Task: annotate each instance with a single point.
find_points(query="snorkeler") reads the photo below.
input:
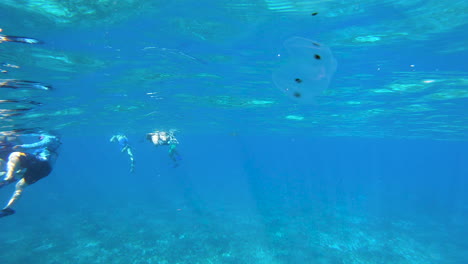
(23, 84)
(161, 138)
(28, 168)
(124, 147)
(26, 40)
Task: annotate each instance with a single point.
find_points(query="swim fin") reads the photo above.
(6, 212)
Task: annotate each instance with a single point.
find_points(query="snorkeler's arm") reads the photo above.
(44, 142)
(172, 148)
(113, 138)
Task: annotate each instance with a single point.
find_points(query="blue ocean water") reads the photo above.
(372, 170)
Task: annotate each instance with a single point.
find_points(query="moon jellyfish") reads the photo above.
(305, 69)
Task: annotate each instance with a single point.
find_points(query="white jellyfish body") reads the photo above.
(305, 69)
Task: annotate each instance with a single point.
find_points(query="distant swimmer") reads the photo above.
(163, 138)
(16, 101)
(29, 167)
(9, 65)
(124, 147)
(26, 40)
(15, 107)
(13, 112)
(23, 84)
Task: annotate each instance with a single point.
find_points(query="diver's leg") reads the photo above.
(124, 149)
(17, 194)
(13, 165)
(173, 157)
(173, 153)
(132, 160)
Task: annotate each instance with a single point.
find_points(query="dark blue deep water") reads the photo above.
(367, 166)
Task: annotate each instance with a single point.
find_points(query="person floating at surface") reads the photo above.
(125, 147)
(26, 40)
(33, 166)
(161, 138)
(24, 84)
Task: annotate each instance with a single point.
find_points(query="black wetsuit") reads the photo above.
(36, 168)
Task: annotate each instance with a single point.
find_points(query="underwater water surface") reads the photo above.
(309, 131)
